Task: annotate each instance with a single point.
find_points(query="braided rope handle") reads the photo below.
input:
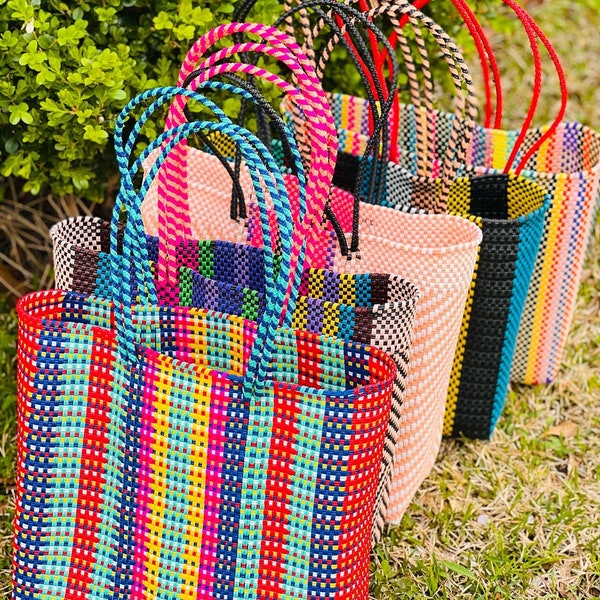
(340, 20)
(170, 294)
(465, 103)
(485, 51)
(267, 114)
(318, 179)
(263, 171)
(308, 91)
(464, 98)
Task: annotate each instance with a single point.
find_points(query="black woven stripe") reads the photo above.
(363, 324)
(489, 196)
(346, 171)
(380, 293)
(487, 326)
(85, 272)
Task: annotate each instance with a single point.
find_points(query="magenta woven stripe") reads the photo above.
(286, 50)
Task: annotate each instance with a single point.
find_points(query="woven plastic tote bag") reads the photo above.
(378, 309)
(172, 452)
(564, 158)
(510, 210)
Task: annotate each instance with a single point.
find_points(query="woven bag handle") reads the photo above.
(339, 15)
(133, 252)
(318, 179)
(267, 115)
(340, 19)
(308, 91)
(535, 35)
(465, 111)
(484, 50)
(170, 294)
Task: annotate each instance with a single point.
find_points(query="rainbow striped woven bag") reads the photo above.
(378, 310)
(563, 158)
(169, 452)
(510, 209)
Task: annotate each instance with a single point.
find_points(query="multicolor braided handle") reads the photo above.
(534, 35)
(293, 156)
(464, 97)
(133, 252)
(309, 92)
(341, 21)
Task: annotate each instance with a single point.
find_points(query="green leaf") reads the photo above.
(117, 94)
(21, 10)
(19, 112)
(452, 566)
(11, 145)
(162, 21)
(185, 32)
(105, 15)
(96, 134)
(45, 76)
(71, 35)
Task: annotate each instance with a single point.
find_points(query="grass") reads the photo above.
(515, 517)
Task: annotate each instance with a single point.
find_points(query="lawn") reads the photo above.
(515, 517)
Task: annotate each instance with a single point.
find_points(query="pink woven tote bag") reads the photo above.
(438, 253)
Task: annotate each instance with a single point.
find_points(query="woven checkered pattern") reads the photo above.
(369, 308)
(567, 165)
(510, 211)
(438, 254)
(162, 479)
(230, 278)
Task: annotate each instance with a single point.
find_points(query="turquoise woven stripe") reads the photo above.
(302, 501)
(256, 459)
(107, 551)
(530, 233)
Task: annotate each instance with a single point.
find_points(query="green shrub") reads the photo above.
(66, 69)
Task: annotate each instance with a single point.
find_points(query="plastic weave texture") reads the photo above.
(510, 211)
(438, 254)
(171, 452)
(160, 478)
(373, 309)
(567, 165)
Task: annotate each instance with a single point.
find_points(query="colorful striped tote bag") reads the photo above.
(376, 309)
(510, 210)
(170, 452)
(564, 158)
